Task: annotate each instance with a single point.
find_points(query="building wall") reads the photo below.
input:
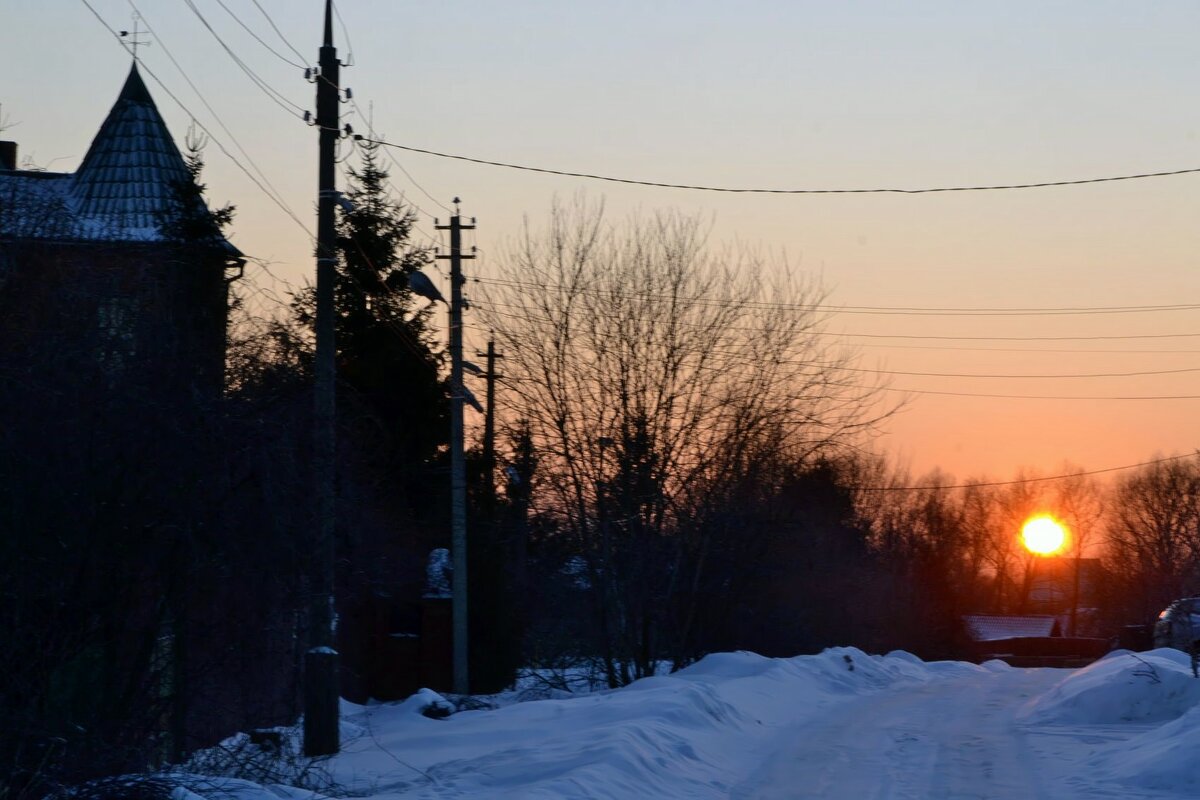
(140, 318)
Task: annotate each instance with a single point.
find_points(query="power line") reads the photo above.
(527, 314)
(349, 62)
(1021, 481)
(839, 309)
(1076, 350)
(1016, 338)
(830, 310)
(276, 96)
(1042, 396)
(278, 32)
(258, 38)
(399, 166)
(845, 368)
(734, 190)
(985, 312)
(403, 200)
(204, 128)
(369, 122)
(278, 197)
(1007, 377)
(860, 370)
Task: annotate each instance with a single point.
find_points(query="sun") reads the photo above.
(1043, 535)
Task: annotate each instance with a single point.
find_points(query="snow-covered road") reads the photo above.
(841, 724)
(957, 738)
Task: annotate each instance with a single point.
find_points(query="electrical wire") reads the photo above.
(278, 32)
(1042, 396)
(278, 196)
(1009, 377)
(490, 307)
(527, 314)
(337, 12)
(433, 240)
(735, 190)
(1021, 481)
(368, 120)
(838, 309)
(276, 96)
(258, 38)
(204, 128)
(873, 336)
(371, 128)
(1114, 337)
(1049, 350)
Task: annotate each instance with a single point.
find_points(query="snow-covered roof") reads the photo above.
(37, 205)
(991, 627)
(123, 190)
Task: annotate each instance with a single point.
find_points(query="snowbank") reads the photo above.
(1163, 759)
(693, 733)
(1131, 720)
(1121, 687)
(1153, 690)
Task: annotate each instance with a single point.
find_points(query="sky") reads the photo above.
(747, 94)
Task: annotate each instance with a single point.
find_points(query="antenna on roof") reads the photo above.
(133, 36)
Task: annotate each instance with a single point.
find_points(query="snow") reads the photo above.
(438, 573)
(738, 725)
(1150, 687)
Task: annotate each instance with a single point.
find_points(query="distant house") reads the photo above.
(117, 271)
(1029, 640)
(996, 627)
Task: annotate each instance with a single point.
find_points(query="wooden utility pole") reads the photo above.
(321, 661)
(489, 430)
(458, 462)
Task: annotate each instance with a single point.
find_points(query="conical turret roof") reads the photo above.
(128, 180)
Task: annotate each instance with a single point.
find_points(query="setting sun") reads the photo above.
(1043, 535)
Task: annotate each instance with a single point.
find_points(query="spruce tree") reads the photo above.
(390, 391)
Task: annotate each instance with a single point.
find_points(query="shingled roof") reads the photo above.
(993, 627)
(127, 179)
(123, 190)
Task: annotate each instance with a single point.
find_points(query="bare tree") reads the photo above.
(1081, 504)
(1154, 534)
(655, 375)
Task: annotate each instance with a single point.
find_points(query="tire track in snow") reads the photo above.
(953, 739)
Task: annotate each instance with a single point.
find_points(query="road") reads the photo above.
(946, 740)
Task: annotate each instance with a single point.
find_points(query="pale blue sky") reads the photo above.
(775, 94)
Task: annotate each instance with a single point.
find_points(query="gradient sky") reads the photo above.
(769, 94)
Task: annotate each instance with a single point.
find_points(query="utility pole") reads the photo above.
(458, 462)
(321, 660)
(489, 429)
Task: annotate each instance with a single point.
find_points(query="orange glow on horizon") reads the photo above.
(1043, 535)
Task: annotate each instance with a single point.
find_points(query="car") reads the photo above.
(1178, 626)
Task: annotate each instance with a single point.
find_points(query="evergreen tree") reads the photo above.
(386, 356)
(189, 220)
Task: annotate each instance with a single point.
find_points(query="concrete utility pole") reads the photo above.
(489, 430)
(458, 464)
(321, 661)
